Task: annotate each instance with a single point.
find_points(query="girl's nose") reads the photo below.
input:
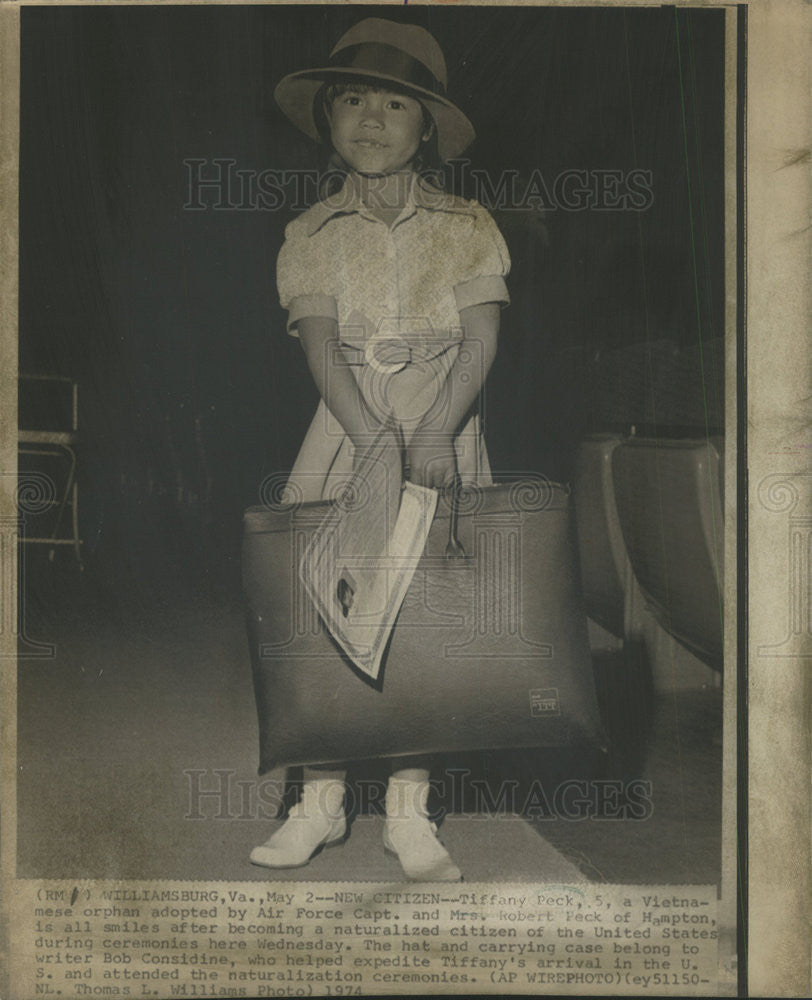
(373, 113)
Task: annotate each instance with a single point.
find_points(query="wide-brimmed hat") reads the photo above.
(376, 49)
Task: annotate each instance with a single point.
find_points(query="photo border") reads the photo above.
(765, 728)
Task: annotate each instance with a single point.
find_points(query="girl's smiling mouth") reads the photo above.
(370, 143)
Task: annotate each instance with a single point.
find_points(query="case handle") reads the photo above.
(454, 548)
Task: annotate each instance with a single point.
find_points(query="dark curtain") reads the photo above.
(191, 392)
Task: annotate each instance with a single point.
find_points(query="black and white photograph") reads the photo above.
(379, 467)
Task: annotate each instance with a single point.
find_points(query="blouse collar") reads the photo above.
(422, 194)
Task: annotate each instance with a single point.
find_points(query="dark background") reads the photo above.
(191, 392)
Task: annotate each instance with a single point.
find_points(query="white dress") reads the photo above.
(396, 293)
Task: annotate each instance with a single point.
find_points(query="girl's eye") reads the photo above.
(397, 105)
(352, 99)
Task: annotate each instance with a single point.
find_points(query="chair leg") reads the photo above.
(68, 491)
(75, 517)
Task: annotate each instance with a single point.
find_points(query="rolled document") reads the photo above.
(362, 557)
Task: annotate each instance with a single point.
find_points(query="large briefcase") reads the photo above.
(489, 651)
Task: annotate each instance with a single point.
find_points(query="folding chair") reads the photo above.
(49, 423)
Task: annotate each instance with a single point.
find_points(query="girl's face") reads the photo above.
(376, 131)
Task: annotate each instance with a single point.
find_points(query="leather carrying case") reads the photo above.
(489, 651)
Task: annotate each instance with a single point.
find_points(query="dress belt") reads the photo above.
(388, 355)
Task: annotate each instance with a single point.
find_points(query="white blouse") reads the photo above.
(441, 255)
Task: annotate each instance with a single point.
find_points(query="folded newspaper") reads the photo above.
(362, 557)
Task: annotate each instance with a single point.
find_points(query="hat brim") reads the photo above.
(296, 92)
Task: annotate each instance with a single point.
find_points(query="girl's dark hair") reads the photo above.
(427, 161)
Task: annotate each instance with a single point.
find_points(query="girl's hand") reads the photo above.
(431, 459)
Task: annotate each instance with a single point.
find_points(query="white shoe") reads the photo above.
(316, 821)
(409, 835)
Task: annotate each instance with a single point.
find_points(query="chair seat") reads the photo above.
(63, 438)
(669, 502)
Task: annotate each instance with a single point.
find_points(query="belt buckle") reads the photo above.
(382, 367)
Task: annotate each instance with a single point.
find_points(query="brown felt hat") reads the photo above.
(376, 49)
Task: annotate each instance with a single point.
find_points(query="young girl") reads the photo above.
(394, 290)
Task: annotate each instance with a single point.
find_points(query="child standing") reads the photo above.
(394, 289)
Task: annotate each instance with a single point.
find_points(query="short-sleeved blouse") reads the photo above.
(406, 283)
(442, 254)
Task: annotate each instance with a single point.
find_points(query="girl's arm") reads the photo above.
(334, 380)
(431, 456)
